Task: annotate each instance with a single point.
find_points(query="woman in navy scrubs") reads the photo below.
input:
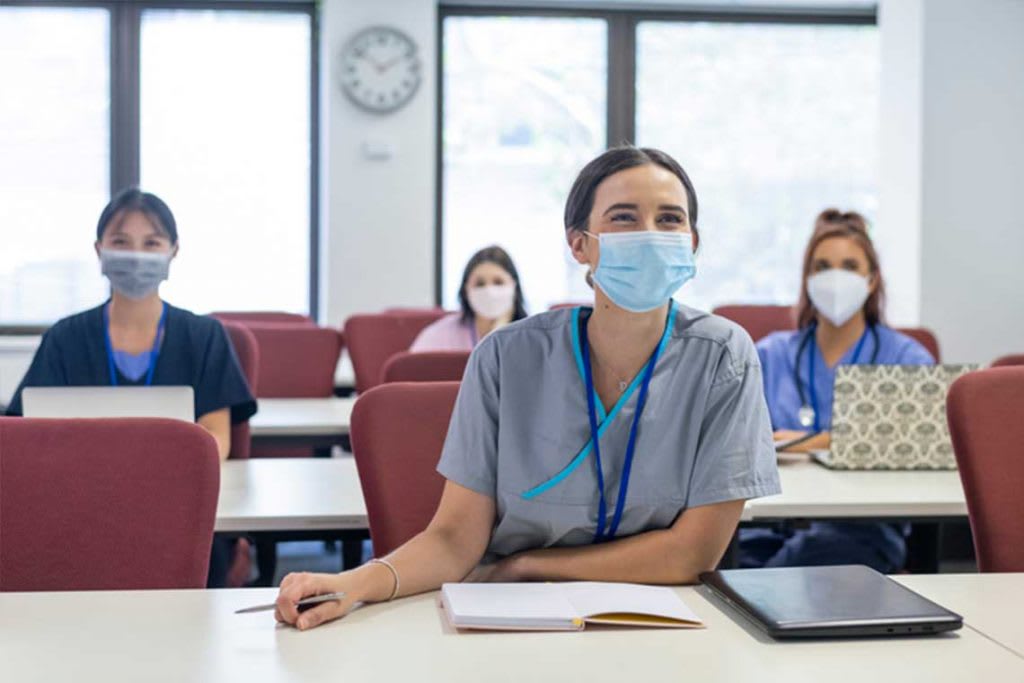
(840, 322)
(137, 339)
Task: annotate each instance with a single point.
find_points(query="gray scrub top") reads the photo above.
(521, 421)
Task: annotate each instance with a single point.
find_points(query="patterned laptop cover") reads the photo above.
(892, 417)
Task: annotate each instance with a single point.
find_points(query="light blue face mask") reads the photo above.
(640, 271)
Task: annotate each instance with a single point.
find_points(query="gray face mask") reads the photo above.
(134, 274)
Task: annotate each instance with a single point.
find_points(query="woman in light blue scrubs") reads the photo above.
(840, 322)
(616, 443)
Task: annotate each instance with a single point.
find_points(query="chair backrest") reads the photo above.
(263, 317)
(248, 353)
(426, 366)
(1007, 361)
(397, 467)
(759, 321)
(373, 338)
(984, 410)
(925, 338)
(106, 504)
(296, 361)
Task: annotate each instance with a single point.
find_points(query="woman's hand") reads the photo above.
(358, 585)
(507, 570)
(818, 442)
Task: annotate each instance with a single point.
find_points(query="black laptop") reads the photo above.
(847, 600)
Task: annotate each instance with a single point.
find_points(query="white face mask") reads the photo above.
(838, 294)
(492, 301)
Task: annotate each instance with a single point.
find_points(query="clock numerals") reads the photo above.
(380, 69)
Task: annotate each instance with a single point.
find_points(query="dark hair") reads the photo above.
(133, 199)
(498, 256)
(851, 225)
(581, 197)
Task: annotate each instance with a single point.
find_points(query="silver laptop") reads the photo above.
(891, 417)
(64, 402)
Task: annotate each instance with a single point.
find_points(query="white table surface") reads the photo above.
(193, 635)
(289, 494)
(812, 491)
(302, 417)
(992, 604)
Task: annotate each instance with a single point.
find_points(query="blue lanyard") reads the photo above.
(154, 353)
(812, 352)
(602, 505)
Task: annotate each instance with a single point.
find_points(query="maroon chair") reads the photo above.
(112, 504)
(1008, 361)
(759, 321)
(373, 338)
(296, 361)
(397, 467)
(925, 338)
(248, 354)
(263, 317)
(427, 366)
(984, 409)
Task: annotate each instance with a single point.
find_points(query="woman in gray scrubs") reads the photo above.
(673, 396)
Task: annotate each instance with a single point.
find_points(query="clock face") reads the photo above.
(380, 69)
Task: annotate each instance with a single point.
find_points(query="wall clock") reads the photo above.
(380, 69)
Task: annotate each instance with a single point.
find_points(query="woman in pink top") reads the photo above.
(490, 296)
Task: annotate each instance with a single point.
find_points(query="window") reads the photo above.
(773, 123)
(54, 159)
(521, 115)
(775, 117)
(212, 109)
(225, 142)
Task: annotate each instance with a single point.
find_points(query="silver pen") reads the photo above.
(303, 603)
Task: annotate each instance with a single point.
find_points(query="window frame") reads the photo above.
(125, 103)
(620, 122)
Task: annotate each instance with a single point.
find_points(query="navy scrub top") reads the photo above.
(195, 352)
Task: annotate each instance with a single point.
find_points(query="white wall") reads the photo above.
(972, 256)
(377, 216)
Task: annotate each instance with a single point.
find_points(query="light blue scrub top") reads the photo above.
(778, 356)
(521, 423)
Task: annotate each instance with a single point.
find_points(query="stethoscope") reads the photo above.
(808, 413)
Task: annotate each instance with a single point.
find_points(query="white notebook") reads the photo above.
(563, 606)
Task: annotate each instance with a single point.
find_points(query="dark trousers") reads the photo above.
(878, 545)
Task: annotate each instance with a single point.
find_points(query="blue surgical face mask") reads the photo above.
(640, 271)
(134, 274)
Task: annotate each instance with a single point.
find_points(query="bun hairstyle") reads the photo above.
(580, 202)
(850, 225)
(133, 199)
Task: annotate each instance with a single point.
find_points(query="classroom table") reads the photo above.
(194, 635)
(297, 494)
(811, 491)
(313, 422)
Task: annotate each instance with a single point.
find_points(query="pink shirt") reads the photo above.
(447, 334)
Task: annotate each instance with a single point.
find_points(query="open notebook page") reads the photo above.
(509, 606)
(628, 603)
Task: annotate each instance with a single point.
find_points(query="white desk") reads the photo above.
(290, 494)
(296, 494)
(300, 418)
(810, 491)
(991, 603)
(193, 635)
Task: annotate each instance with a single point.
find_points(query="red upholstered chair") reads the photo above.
(397, 467)
(296, 361)
(263, 317)
(248, 353)
(373, 338)
(105, 504)
(427, 366)
(984, 410)
(1007, 361)
(759, 321)
(925, 338)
